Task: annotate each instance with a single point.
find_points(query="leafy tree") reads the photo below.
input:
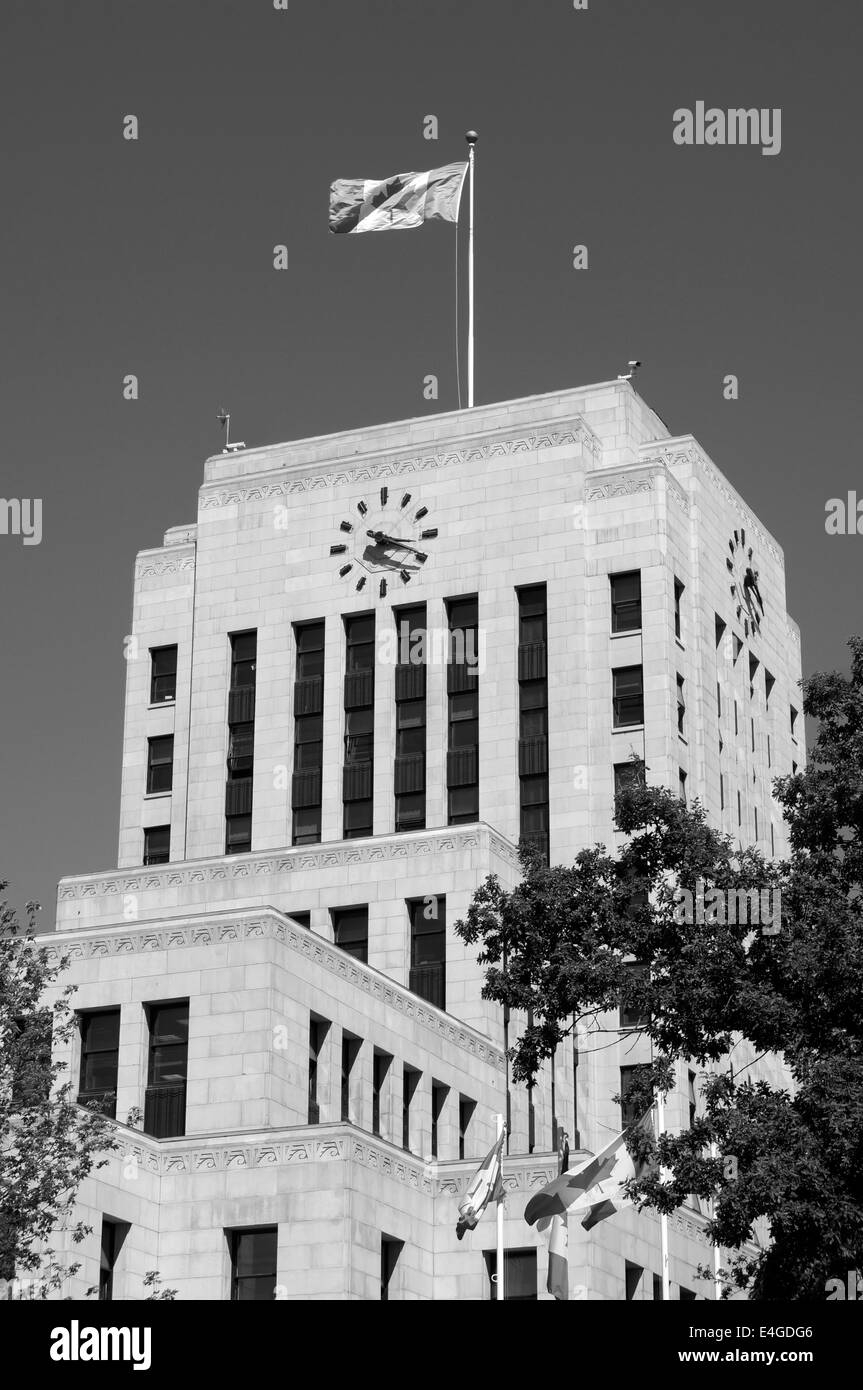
(789, 1160)
(48, 1143)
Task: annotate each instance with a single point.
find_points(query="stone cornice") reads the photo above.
(268, 923)
(687, 452)
(156, 562)
(253, 866)
(339, 1143)
(627, 481)
(396, 464)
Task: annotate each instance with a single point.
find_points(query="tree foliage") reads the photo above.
(562, 943)
(48, 1143)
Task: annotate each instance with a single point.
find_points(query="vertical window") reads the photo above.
(409, 771)
(794, 713)
(519, 1275)
(633, 1279)
(241, 743)
(466, 1108)
(165, 1098)
(100, 1052)
(428, 949)
(244, 655)
(756, 823)
(692, 1097)
(681, 707)
(682, 782)
(629, 1109)
(722, 791)
(253, 1264)
(390, 1251)
(627, 696)
(462, 712)
(769, 682)
(533, 716)
(157, 844)
(410, 1081)
(625, 601)
(350, 1052)
(736, 725)
(632, 1015)
(718, 700)
(318, 1030)
(381, 1063)
(752, 722)
(438, 1097)
(678, 595)
(351, 930)
(113, 1235)
(628, 775)
(719, 629)
(163, 674)
(657, 1288)
(739, 810)
(772, 842)
(160, 764)
(359, 700)
(306, 793)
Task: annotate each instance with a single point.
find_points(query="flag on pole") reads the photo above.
(594, 1190)
(558, 1235)
(486, 1186)
(404, 200)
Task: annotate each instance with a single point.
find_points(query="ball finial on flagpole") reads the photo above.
(471, 137)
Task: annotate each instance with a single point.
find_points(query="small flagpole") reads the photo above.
(663, 1219)
(471, 139)
(717, 1253)
(500, 1260)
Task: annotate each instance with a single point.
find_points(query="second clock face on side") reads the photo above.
(383, 542)
(745, 591)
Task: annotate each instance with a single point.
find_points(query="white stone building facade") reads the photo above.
(317, 1100)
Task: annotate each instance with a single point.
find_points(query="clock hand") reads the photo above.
(381, 538)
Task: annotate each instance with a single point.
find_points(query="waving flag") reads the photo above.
(487, 1186)
(595, 1190)
(558, 1237)
(404, 200)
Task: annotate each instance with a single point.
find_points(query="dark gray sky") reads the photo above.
(155, 257)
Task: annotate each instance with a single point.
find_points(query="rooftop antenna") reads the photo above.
(633, 368)
(224, 420)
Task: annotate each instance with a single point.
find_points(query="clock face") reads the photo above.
(383, 543)
(743, 583)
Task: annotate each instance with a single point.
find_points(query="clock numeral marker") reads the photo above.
(346, 526)
(345, 569)
(384, 495)
(406, 499)
(338, 549)
(406, 576)
(362, 508)
(423, 511)
(361, 583)
(383, 588)
(429, 535)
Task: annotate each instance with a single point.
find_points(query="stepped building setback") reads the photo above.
(376, 661)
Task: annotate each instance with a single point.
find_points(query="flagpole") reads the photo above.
(717, 1253)
(663, 1219)
(500, 1259)
(471, 137)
